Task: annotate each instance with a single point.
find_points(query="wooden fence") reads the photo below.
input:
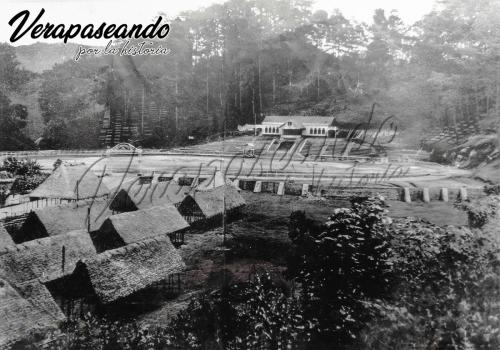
(23, 208)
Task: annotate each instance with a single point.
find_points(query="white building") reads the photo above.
(294, 126)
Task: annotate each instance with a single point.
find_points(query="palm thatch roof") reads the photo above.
(213, 202)
(137, 225)
(5, 238)
(71, 182)
(216, 180)
(46, 259)
(137, 196)
(25, 311)
(52, 221)
(121, 272)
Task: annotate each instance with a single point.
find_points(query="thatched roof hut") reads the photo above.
(46, 259)
(126, 228)
(137, 196)
(5, 238)
(71, 183)
(209, 204)
(216, 180)
(119, 273)
(25, 311)
(52, 221)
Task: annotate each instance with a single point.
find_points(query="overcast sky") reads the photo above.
(142, 11)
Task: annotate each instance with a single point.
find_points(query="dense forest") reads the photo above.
(232, 63)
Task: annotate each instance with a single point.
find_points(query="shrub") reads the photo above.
(479, 211)
(22, 167)
(440, 298)
(27, 173)
(342, 265)
(258, 314)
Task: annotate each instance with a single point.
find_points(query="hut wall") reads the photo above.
(122, 202)
(73, 295)
(30, 230)
(190, 211)
(177, 238)
(106, 238)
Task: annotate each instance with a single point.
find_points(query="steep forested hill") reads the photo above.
(232, 63)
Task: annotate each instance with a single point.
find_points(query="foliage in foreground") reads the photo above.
(27, 173)
(447, 294)
(364, 282)
(341, 266)
(259, 314)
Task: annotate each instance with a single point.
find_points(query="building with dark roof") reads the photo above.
(57, 220)
(70, 183)
(45, 259)
(210, 205)
(143, 196)
(119, 274)
(131, 227)
(26, 313)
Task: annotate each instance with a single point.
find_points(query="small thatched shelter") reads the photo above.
(50, 260)
(5, 238)
(137, 196)
(25, 311)
(120, 273)
(47, 259)
(70, 183)
(210, 205)
(130, 227)
(52, 221)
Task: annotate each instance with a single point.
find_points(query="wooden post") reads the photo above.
(463, 193)
(281, 188)
(425, 195)
(236, 183)
(258, 186)
(305, 189)
(444, 194)
(407, 195)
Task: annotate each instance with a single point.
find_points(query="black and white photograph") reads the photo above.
(250, 175)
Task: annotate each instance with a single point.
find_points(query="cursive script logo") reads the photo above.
(89, 31)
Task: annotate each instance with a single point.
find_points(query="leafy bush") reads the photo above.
(257, 314)
(23, 167)
(93, 333)
(27, 183)
(27, 173)
(479, 211)
(341, 265)
(440, 298)
(492, 189)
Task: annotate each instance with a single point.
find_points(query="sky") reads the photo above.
(143, 11)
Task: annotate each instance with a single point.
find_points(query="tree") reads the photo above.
(13, 120)
(260, 313)
(27, 174)
(340, 266)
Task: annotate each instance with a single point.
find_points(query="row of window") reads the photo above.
(312, 131)
(316, 131)
(272, 130)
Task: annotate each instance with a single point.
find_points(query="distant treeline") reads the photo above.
(231, 63)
